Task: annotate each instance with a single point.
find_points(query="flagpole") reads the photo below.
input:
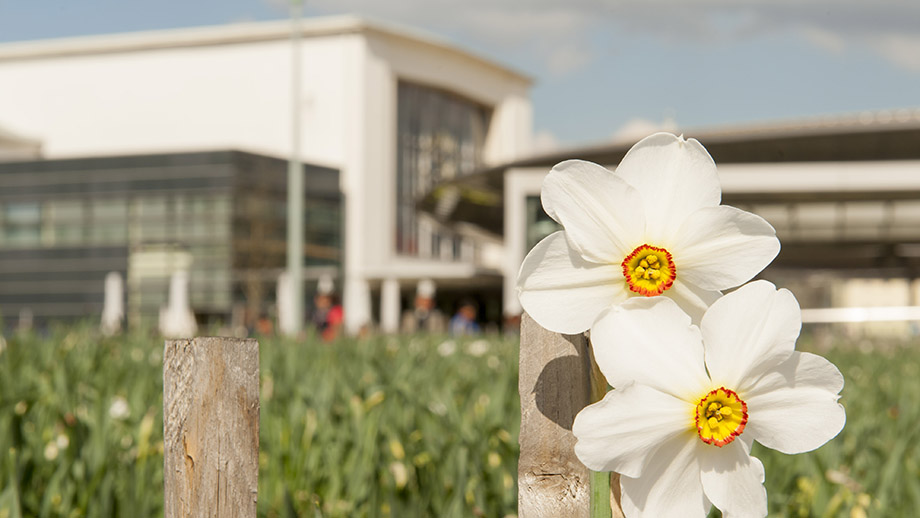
(295, 180)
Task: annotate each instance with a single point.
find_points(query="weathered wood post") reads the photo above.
(211, 427)
(555, 383)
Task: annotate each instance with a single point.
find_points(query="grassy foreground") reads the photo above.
(386, 426)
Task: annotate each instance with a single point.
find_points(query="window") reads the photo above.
(21, 224)
(108, 221)
(539, 224)
(151, 207)
(66, 222)
(440, 136)
(322, 227)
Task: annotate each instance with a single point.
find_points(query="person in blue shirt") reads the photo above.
(464, 321)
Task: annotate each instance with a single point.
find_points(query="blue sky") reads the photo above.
(606, 68)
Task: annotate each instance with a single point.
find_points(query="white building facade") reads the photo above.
(394, 111)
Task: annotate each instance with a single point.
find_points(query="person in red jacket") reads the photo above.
(328, 315)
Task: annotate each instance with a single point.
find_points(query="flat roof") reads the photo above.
(235, 33)
(36, 179)
(880, 135)
(7, 137)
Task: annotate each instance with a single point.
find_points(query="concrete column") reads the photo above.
(447, 247)
(467, 250)
(515, 236)
(356, 304)
(177, 319)
(113, 307)
(25, 320)
(389, 306)
(285, 294)
(424, 239)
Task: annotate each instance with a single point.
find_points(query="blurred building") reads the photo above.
(219, 215)
(17, 147)
(393, 111)
(843, 194)
(150, 152)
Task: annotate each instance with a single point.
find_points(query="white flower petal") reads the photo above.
(603, 215)
(620, 431)
(692, 299)
(651, 341)
(795, 408)
(675, 177)
(795, 420)
(563, 292)
(733, 481)
(747, 441)
(670, 484)
(799, 370)
(721, 247)
(747, 331)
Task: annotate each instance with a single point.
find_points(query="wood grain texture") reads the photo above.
(555, 383)
(211, 427)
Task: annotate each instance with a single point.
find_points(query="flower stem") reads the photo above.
(600, 480)
(600, 495)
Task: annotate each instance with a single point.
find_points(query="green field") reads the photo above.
(385, 426)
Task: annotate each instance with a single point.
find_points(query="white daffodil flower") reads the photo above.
(655, 227)
(689, 401)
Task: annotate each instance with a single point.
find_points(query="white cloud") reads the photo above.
(901, 49)
(563, 59)
(557, 35)
(559, 32)
(887, 28)
(824, 39)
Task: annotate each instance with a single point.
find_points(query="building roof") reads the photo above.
(889, 135)
(8, 137)
(18, 147)
(236, 33)
(860, 136)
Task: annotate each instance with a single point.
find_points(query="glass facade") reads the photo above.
(440, 136)
(64, 224)
(179, 230)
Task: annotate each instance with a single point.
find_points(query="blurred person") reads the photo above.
(264, 325)
(328, 315)
(464, 321)
(424, 317)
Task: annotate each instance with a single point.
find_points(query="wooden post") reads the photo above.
(555, 383)
(211, 427)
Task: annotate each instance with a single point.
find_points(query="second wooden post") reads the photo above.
(557, 380)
